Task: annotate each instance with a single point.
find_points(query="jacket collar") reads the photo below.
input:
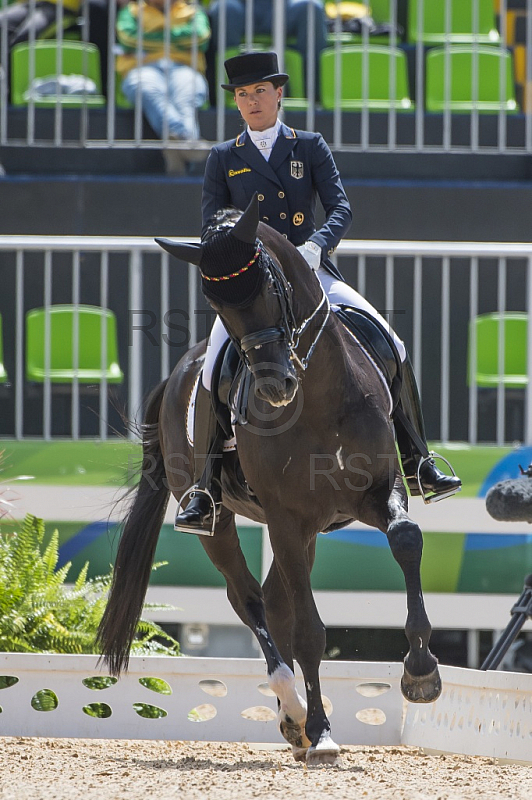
(283, 146)
(244, 147)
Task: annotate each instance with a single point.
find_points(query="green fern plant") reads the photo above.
(40, 614)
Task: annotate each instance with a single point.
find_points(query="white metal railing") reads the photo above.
(431, 291)
(213, 699)
(393, 130)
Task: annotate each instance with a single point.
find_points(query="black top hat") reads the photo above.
(249, 68)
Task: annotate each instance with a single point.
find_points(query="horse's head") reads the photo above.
(245, 285)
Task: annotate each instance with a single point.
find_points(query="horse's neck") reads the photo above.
(307, 291)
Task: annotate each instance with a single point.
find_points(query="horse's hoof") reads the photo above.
(299, 753)
(421, 688)
(323, 759)
(294, 733)
(325, 752)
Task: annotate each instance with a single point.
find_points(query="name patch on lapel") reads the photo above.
(233, 172)
(296, 169)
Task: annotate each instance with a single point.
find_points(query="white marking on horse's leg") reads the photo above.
(262, 633)
(340, 458)
(292, 714)
(282, 681)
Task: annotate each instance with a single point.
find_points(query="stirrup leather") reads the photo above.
(192, 492)
(434, 498)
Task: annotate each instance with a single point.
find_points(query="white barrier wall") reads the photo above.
(229, 686)
(479, 713)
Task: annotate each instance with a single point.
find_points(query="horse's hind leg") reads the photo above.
(421, 682)
(292, 707)
(246, 597)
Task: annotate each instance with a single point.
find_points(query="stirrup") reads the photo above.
(434, 498)
(183, 528)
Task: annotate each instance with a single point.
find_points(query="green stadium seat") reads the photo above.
(78, 58)
(513, 376)
(514, 368)
(92, 323)
(461, 70)
(461, 24)
(380, 96)
(380, 10)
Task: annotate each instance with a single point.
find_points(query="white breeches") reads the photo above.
(338, 293)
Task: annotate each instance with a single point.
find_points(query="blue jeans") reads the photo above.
(296, 23)
(169, 91)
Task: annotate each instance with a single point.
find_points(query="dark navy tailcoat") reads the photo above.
(300, 169)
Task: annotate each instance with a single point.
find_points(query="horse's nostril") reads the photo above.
(290, 385)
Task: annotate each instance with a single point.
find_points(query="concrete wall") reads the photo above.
(152, 205)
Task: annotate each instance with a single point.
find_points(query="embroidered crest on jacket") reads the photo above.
(296, 169)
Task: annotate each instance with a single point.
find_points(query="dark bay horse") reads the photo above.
(318, 451)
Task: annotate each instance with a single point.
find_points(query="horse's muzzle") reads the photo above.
(276, 390)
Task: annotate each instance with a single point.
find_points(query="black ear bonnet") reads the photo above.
(231, 269)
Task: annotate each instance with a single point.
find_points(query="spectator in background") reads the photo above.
(43, 20)
(171, 83)
(40, 21)
(21, 19)
(296, 26)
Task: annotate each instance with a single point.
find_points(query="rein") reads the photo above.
(303, 363)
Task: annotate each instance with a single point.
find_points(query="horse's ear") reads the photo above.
(246, 228)
(189, 252)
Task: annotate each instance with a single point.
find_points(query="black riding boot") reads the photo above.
(203, 510)
(421, 473)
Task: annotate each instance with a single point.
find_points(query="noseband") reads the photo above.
(288, 330)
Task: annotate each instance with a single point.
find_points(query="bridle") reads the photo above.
(288, 331)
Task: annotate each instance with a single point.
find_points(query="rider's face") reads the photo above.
(259, 104)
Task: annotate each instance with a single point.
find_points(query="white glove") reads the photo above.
(311, 252)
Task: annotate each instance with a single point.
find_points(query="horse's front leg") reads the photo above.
(292, 708)
(246, 597)
(421, 682)
(294, 557)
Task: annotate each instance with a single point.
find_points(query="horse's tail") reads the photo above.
(136, 550)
